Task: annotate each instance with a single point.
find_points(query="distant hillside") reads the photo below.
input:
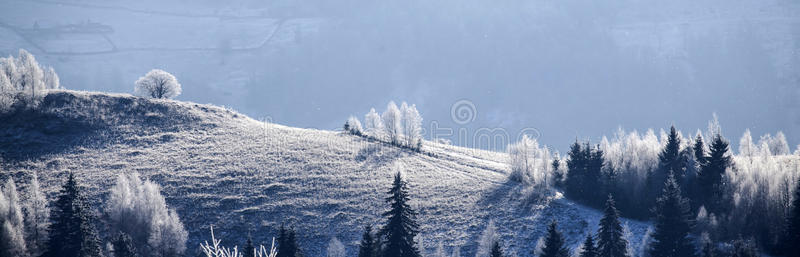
(219, 167)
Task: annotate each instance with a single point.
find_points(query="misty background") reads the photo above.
(568, 68)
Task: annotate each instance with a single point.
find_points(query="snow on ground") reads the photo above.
(219, 167)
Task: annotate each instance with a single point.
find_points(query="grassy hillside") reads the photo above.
(219, 167)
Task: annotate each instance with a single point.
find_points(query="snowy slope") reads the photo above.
(219, 167)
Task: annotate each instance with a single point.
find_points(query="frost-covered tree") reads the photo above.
(30, 77)
(672, 224)
(610, 235)
(336, 248)
(215, 249)
(25, 80)
(530, 164)
(392, 122)
(554, 243)
(373, 125)
(401, 226)
(72, 232)
(50, 79)
(37, 217)
(138, 209)
(456, 252)
(440, 252)
(746, 147)
(412, 125)
(487, 239)
(353, 126)
(12, 239)
(777, 145)
(157, 84)
(7, 92)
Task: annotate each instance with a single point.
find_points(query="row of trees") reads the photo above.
(24, 81)
(726, 195)
(399, 126)
(138, 219)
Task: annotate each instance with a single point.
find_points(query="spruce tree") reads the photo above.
(711, 174)
(71, 231)
(367, 246)
(287, 243)
(249, 250)
(699, 151)
(401, 227)
(594, 175)
(670, 160)
(554, 245)
(791, 236)
(576, 171)
(589, 248)
(497, 250)
(672, 223)
(123, 246)
(558, 175)
(610, 240)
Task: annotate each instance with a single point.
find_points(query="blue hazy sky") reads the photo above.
(568, 68)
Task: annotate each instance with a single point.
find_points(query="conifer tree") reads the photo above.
(249, 250)
(558, 174)
(401, 227)
(72, 232)
(123, 247)
(791, 237)
(554, 245)
(497, 250)
(699, 150)
(712, 172)
(287, 243)
(367, 246)
(576, 166)
(670, 160)
(589, 249)
(610, 237)
(672, 223)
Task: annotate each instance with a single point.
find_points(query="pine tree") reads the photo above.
(791, 236)
(558, 174)
(123, 246)
(610, 238)
(711, 174)
(589, 248)
(249, 250)
(699, 150)
(400, 228)
(497, 250)
(672, 223)
(367, 246)
(576, 171)
(554, 245)
(594, 174)
(72, 232)
(287, 243)
(670, 160)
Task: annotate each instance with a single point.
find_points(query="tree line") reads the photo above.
(400, 126)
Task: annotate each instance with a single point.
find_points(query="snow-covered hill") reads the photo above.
(244, 176)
